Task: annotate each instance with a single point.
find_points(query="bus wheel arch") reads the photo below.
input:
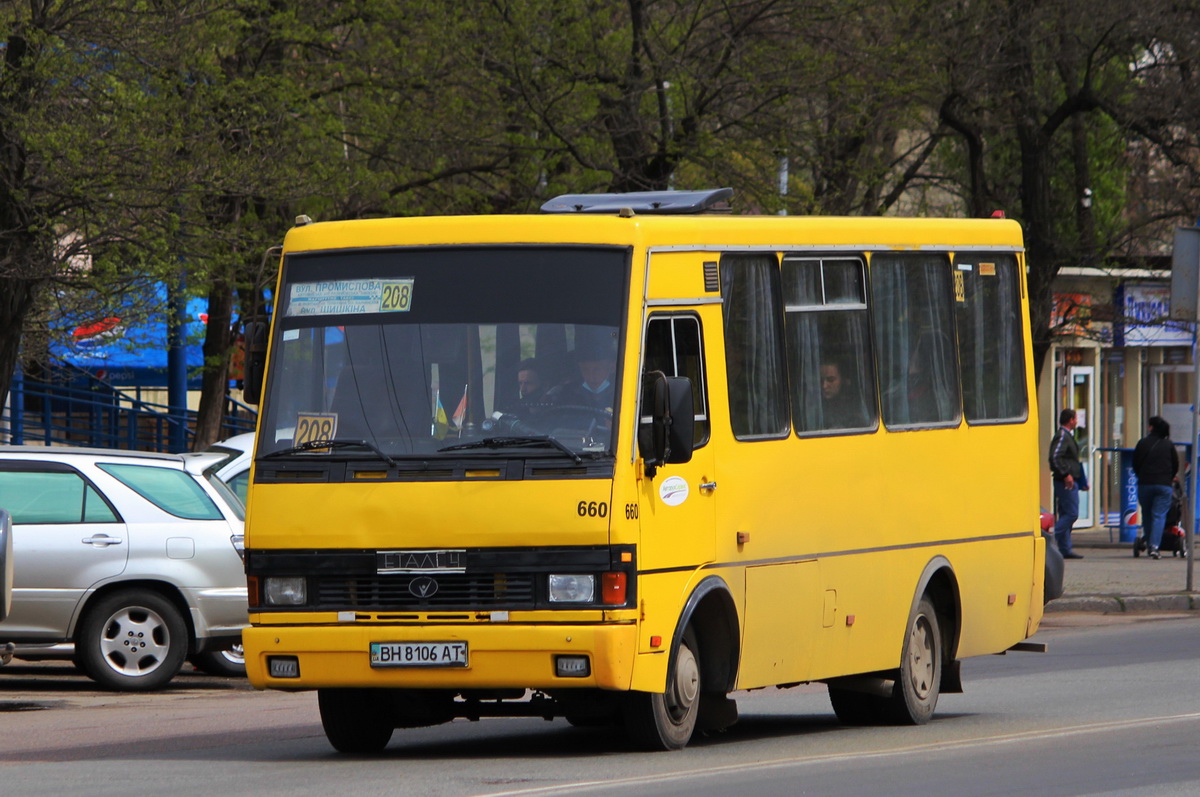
(712, 614)
(939, 583)
(701, 671)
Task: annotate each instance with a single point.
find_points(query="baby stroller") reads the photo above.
(1172, 538)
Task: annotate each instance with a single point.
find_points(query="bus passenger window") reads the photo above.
(989, 338)
(911, 297)
(674, 346)
(754, 362)
(828, 343)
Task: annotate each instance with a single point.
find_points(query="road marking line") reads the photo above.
(779, 763)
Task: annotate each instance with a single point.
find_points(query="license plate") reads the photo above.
(418, 654)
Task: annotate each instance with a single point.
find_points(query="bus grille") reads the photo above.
(454, 591)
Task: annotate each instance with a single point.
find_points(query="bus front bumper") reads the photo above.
(497, 656)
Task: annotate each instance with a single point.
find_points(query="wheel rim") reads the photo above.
(135, 641)
(921, 652)
(235, 655)
(685, 689)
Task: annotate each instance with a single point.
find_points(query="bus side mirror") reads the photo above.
(681, 432)
(666, 428)
(255, 333)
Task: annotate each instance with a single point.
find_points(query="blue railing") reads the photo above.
(89, 412)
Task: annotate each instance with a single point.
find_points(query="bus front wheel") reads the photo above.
(355, 720)
(666, 721)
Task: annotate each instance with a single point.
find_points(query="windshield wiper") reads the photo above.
(522, 441)
(312, 445)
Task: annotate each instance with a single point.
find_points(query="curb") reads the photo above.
(1109, 604)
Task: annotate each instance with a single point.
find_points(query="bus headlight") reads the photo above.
(281, 591)
(572, 588)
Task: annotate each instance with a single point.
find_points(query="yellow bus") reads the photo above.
(618, 460)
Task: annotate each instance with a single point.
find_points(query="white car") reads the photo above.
(234, 467)
(134, 558)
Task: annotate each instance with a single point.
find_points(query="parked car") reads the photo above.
(1052, 583)
(5, 563)
(132, 558)
(234, 467)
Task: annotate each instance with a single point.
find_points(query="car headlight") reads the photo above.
(572, 588)
(285, 591)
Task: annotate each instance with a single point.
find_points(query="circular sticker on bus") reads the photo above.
(673, 491)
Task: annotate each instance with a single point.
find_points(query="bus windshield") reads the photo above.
(437, 352)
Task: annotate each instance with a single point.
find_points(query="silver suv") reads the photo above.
(133, 557)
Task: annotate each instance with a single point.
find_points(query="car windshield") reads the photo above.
(444, 352)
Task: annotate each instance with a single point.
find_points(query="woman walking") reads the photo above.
(1155, 464)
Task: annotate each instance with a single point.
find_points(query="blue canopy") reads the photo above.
(125, 347)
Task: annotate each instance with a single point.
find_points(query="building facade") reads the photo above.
(1117, 360)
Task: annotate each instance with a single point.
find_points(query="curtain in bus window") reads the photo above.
(829, 353)
(376, 396)
(754, 346)
(989, 337)
(910, 304)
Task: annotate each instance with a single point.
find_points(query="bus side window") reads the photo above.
(754, 357)
(989, 338)
(829, 345)
(911, 297)
(674, 346)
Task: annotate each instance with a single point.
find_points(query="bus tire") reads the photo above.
(918, 682)
(666, 720)
(355, 720)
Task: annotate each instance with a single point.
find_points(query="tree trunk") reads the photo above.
(16, 297)
(218, 343)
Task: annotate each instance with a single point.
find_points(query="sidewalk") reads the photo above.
(1109, 579)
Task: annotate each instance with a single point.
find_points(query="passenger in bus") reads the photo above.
(594, 387)
(529, 382)
(921, 397)
(840, 407)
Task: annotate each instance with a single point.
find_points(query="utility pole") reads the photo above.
(1185, 306)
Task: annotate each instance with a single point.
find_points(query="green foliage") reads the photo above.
(148, 138)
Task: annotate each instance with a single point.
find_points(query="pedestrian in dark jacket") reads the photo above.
(1067, 471)
(1155, 464)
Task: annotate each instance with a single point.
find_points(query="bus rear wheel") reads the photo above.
(355, 720)
(918, 683)
(666, 720)
(915, 685)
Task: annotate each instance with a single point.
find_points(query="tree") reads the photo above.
(252, 78)
(1049, 100)
(71, 133)
(144, 140)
